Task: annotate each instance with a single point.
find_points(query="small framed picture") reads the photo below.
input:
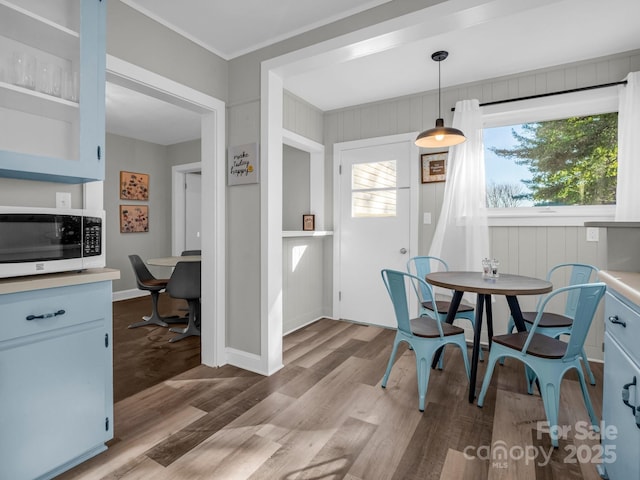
(134, 218)
(134, 186)
(434, 167)
(308, 222)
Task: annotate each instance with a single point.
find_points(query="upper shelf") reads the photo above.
(37, 103)
(306, 233)
(38, 32)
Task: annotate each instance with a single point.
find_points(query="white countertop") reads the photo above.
(52, 280)
(625, 283)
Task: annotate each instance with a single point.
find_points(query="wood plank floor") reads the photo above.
(143, 357)
(325, 416)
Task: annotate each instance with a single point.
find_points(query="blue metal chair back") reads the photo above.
(580, 273)
(396, 283)
(587, 297)
(421, 267)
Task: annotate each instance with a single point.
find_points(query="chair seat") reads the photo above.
(541, 345)
(155, 283)
(443, 306)
(427, 327)
(548, 320)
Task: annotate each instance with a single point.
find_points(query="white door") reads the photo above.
(374, 215)
(193, 193)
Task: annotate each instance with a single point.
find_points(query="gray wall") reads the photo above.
(131, 155)
(134, 37)
(303, 265)
(302, 118)
(185, 152)
(295, 187)
(29, 193)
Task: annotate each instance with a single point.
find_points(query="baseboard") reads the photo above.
(298, 327)
(245, 360)
(128, 294)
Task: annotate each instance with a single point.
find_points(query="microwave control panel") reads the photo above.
(92, 241)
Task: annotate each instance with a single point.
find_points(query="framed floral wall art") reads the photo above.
(134, 218)
(134, 186)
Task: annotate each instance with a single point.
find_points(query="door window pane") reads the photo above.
(373, 189)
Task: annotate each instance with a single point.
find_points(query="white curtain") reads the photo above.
(628, 193)
(462, 235)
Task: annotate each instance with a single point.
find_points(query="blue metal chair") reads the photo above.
(421, 267)
(547, 359)
(553, 324)
(424, 335)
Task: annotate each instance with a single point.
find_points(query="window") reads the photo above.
(555, 155)
(373, 189)
(570, 161)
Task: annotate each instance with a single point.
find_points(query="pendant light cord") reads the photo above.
(439, 94)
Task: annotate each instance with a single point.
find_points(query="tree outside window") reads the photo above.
(572, 161)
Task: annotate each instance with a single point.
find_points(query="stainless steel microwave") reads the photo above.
(47, 240)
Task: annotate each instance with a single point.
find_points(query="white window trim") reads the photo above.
(589, 102)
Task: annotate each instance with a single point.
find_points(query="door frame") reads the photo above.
(178, 203)
(213, 160)
(414, 171)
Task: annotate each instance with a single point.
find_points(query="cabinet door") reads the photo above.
(620, 371)
(52, 398)
(52, 89)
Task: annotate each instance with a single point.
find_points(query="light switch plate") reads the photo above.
(427, 218)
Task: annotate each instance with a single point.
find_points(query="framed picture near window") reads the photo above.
(134, 218)
(434, 167)
(308, 222)
(134, 186)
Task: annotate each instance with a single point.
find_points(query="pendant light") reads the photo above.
(440, 136)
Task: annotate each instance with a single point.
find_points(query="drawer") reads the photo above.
(80, 303)
(622, 322)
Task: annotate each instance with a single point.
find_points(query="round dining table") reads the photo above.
(484, 286)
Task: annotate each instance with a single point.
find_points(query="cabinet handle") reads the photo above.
(616, 320)
(625, 400)
(46, 315)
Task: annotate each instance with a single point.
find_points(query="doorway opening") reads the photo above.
(213, 163)
(186, 218)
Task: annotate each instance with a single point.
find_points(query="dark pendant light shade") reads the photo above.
(440, 136)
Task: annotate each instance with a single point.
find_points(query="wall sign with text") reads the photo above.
(242, 167)
(434, 167)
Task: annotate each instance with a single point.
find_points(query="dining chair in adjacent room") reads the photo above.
(146, 281)
(554, 324)
(187, 253)
(422, 266)
(546, 358)
(424, 335)
(185, 283)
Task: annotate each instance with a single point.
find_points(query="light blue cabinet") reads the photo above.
(52, 90)
(621, 403)
(56, 392)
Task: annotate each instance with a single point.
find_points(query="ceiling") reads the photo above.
(485, 39)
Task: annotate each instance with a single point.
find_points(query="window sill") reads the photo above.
(549, 216)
